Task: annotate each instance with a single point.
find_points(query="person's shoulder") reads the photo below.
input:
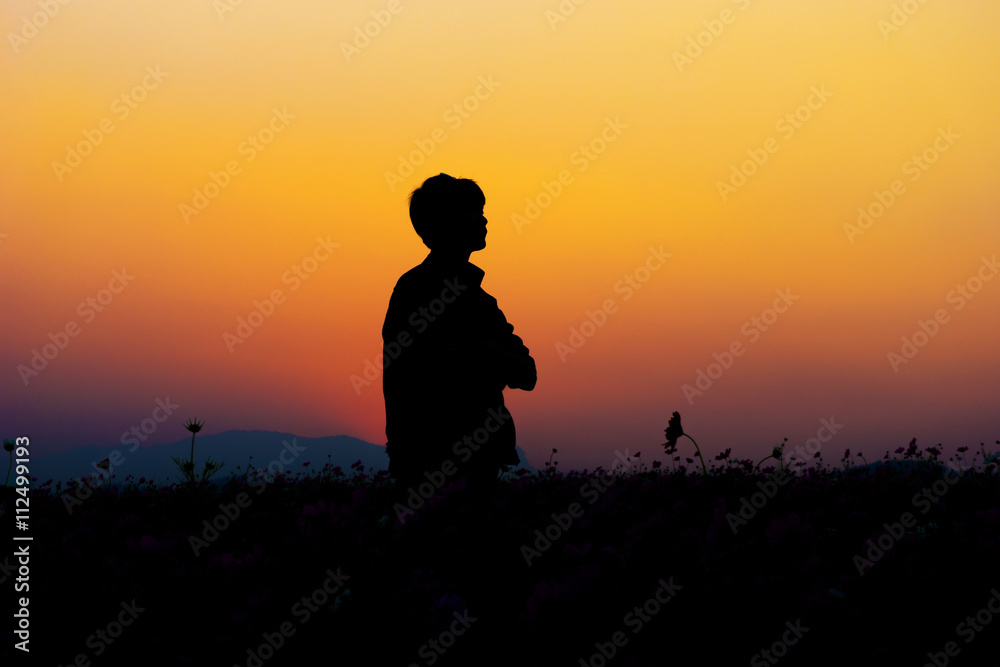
(413, 277)
(413, 284)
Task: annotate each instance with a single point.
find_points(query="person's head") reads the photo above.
(447, 214)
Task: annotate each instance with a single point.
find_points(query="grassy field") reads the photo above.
(880, 564)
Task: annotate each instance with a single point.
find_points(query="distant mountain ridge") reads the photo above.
(278, 451)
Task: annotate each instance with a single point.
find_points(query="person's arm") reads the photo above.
(516, 364)
(518, 368)
(474, 340)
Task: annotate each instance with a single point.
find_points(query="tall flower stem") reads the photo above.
(698, 449)
(8, 468)
(187, 468)
(192, 452)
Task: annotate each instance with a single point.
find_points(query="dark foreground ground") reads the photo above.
(889, 567)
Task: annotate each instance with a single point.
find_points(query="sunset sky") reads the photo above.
(668, 170)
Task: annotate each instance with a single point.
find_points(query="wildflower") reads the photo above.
(8, 445)
(778, 454)
(106, 465)
(550, 465)
(187, 467)
(674, 431)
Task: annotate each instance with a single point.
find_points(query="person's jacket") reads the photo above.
(448, 354)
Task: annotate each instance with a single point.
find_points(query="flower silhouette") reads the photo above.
(106, 465)
(673, 432)
(777, 454)
(187, 467)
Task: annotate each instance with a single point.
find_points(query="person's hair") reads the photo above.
(435, 204)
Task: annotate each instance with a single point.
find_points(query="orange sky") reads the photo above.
(208, 149)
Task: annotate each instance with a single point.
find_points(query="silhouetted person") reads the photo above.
(449, 351)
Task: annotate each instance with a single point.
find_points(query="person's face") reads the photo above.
(469, 229)
(477, 225)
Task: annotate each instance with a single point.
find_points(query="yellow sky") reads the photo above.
(643, 108)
